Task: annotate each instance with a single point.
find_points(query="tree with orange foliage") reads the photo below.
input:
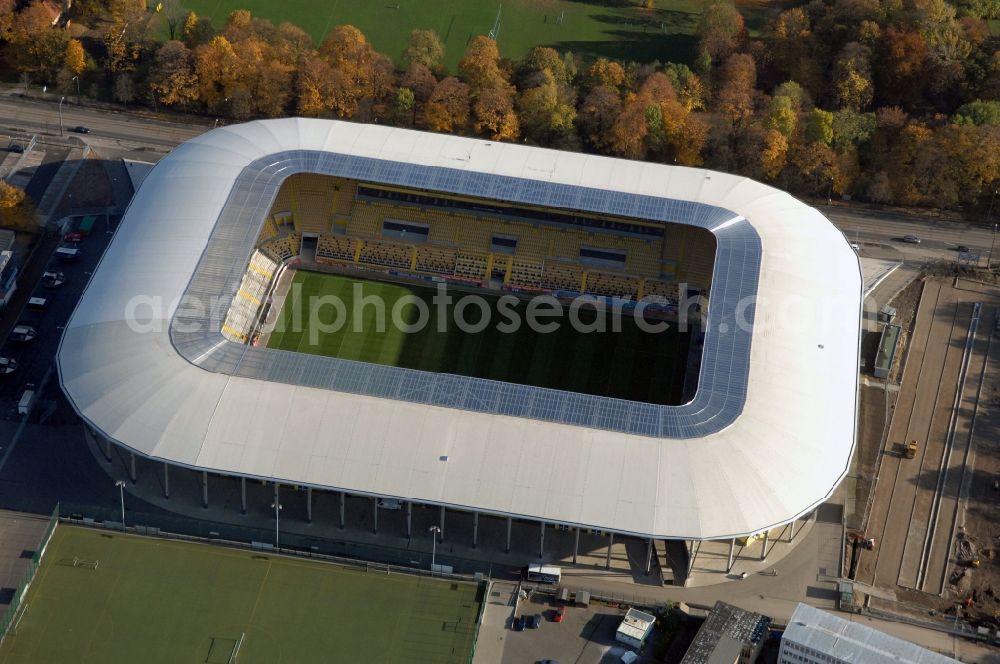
(494, 115)
(448, 108)
(16, 209)
(480, 66)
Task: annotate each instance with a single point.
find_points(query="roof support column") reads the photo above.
(343, 502)
(695, 548)
(166, 480)
(475, 529)
(763, 550)
(131, 467)
(611, 542)
(409, 519)
(204, 489)
(649, 556)
(510, 520)
(375, 505)
(541, 540)
(791, 532)
(309, 504)
(441, 534)
(243, 495)
(732, 549)
(576, 544)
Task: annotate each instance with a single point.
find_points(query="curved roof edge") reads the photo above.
(783, 452)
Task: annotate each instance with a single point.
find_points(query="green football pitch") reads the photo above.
(590, 29)
(629, 364)
(152, 601)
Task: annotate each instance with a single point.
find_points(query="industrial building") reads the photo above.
(818, 637)
(729, 635)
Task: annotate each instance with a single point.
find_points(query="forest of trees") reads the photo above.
(888, 101)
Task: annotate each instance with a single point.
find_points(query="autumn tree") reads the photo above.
(538, 60)
(216, 67)
(688, 85)
(852, 77)
(447, 110)
(361, 76)
(172, 79)
(174, 15)
(479, 68)
(774, 154)
(797, 52)
(494, 115)
(404, 107)
(546, 111)
(606, 73)
(33, 44)
(819, 127)
(721, 30)
(16, 209)
(75, 59)
(900, 74)
(735, 97)
(419, 79)
(314, 87)
(597, 115)
(197, 30)
(978, 112)
(424, 48)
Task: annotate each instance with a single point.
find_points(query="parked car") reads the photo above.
(16, 147)
(534, 621)
(963, 249)
(7, 365)
(518, 623)
(855, 247)
(912, 239)
(390, 504)
(74, 237)
(547, 661)
(23, 333)
(53, 279)
(559, 614)
(80, 129)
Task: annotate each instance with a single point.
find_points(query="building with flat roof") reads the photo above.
(729, 635)
(818, 637)
(635, 627)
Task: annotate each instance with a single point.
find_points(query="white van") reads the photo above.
(37, 303)
(67, 254)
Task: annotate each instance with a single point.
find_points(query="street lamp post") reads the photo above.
(277, 521)
(121, 493)
(61, 100)
(993, 241)
(434, 530)
(77, 79)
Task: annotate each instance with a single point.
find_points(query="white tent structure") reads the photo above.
(767, 438)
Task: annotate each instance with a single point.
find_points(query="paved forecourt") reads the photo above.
(636, 364)
(100, 597)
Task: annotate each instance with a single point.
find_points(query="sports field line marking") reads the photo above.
(260, 591)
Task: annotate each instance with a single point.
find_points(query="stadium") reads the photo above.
(195, 344)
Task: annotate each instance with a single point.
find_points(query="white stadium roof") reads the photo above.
(768, 436)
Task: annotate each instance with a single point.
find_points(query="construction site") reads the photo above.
(927, 517)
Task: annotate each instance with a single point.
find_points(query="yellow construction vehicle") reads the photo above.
(911, 449)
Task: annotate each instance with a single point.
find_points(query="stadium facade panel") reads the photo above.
(767, 437)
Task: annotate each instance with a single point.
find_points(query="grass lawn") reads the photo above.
(630, 364)
(155, 601)
(589, 28)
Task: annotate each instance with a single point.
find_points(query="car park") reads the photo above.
(7, 365)
(80, 129)
(911, 239)
(23, 333)
(53, 279)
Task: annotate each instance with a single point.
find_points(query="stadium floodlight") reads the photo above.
(434, 530)
(276, 506)
(121, 492)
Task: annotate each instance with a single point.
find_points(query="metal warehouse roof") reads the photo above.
(767, 437)
(846, 641)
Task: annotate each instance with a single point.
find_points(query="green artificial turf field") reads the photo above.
(589, 28)
(630, 364)
(152, 601)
